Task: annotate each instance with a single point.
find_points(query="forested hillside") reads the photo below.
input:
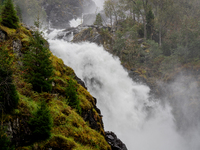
(156, 37)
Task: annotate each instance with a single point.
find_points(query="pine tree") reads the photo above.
(150, 24)
(8, 94)
(98, 20)
(37, 64)
(72, 96)
(9, 15)
(41, 123)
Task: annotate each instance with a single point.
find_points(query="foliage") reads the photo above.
(98, 20)
(72, 96)
(60, 142)
(5, 143)
(8, 94)
(155, 50)
(41, 123)
(119, 43)
(9, 15)
(37, 64)
(150, 24)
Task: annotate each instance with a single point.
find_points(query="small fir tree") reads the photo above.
(72, 96)
(9, 15)
(37, 65)
(41, 123)
(8, 94)
(150, 24)
(98, 20)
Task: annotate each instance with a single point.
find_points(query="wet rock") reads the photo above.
(114, 142)
(18, 131)
(95, 122)
(2, 35)
(79, 81)
(17, 46)
(67, 34)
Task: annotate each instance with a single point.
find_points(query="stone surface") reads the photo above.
(17, 46)
(18, 131)
(2, 35)
(114, 142)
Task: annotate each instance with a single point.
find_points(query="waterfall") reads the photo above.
(141, 123)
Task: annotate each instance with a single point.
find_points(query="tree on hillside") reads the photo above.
(37, 64)
(9, 15)
(98, 20)
(150, 24)
(41, 123)
(72, 96)
(8, 94)
(110, 9)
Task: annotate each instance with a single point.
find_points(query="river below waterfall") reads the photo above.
(140, 122)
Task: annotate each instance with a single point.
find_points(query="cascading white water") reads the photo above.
(141, 124)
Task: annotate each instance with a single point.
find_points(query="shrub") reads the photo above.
(9, 15)
(98, 20)
(72, 96)
(41, 123)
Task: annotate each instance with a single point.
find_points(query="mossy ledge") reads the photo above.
(71, 131)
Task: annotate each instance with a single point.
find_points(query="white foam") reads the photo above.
(140, 123)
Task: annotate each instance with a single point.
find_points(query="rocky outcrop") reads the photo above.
(17, 46)
(2, 35)
(114, 142)
(96, 34)
(92, 116)
(18, 130)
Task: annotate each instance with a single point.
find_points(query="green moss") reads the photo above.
(10, 32)
(69, 131)
(60, 142)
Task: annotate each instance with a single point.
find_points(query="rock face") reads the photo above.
(59, 13)
(18, 130)
(17, 46)
(2, 35)
(115, 143)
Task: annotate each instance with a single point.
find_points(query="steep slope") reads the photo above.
(71, 129)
